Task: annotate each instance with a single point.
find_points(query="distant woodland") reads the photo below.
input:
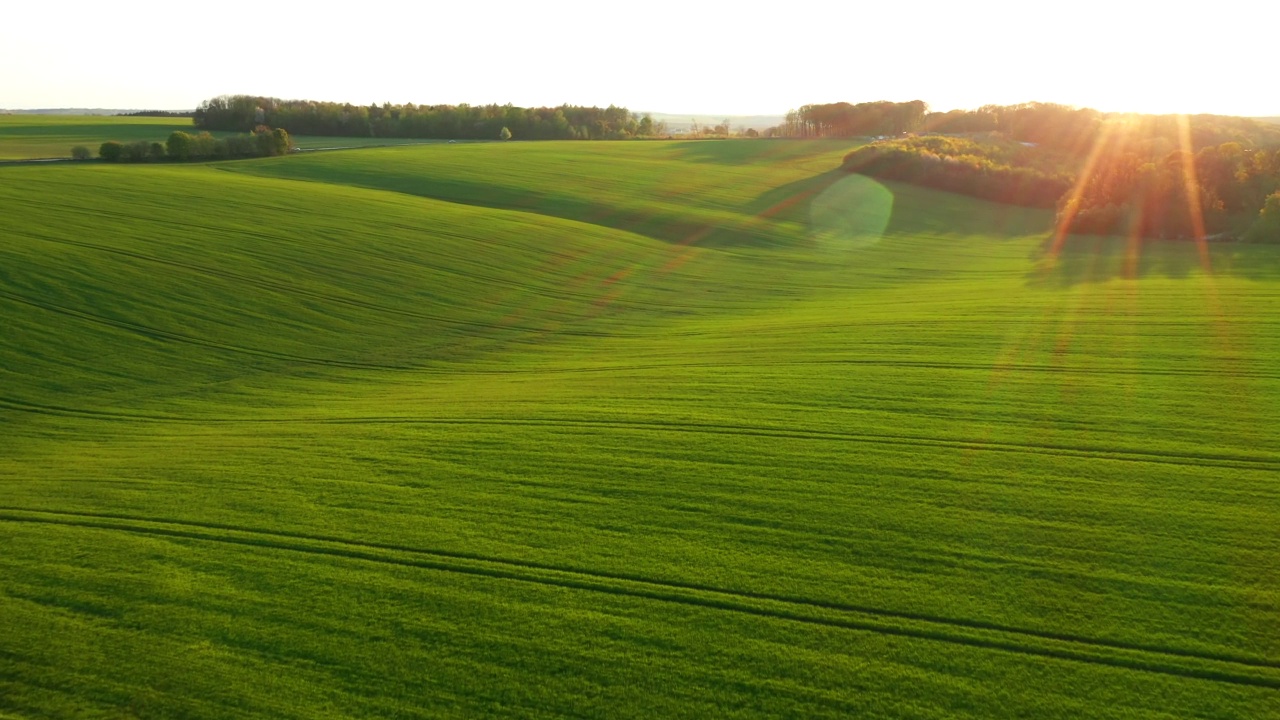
(241, 113)
(836, 120)
(156, 113)
(1111, 174)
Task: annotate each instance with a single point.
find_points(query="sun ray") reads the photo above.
(1192, 186)
(1133, 248)
(1077, 191)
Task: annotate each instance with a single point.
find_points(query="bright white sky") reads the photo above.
(699, 57)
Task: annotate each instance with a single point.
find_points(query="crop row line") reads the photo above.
(1243, 462)
(156, 333)
(1166, 661)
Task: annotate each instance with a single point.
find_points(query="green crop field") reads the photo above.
(29, 137)
(622, 430)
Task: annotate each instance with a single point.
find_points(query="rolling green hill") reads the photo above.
(622, 429)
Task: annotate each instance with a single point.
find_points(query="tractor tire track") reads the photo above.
(1177, 662)
(1182, 459)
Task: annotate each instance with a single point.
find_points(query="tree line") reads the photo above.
(1106, 173)
(1226, 189)
(184, 147)
(845, 120)
(240, 113)
(996, 170)
(1060, 126)
(1076, 130)
(157, 113)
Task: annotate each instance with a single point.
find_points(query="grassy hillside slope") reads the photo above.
(622, 429)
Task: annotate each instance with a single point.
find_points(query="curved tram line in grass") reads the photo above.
(1226, 460)
(1217, 667)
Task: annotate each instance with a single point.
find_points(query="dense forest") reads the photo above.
(1167, 176)
(483, 122)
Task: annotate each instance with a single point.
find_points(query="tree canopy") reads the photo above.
(845, 120)
(1143, 175)
(992, 169)
(182, 147)
(242, 113)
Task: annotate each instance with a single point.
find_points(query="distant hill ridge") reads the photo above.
(678, 121)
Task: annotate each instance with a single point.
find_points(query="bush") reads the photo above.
(111, 151)
(179, 145)
(1267, 226)
(138, 151)
(271, 142)
(81, 152)
(183, 147)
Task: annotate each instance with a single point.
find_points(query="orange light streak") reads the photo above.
(1077, 191)
(1193, 191)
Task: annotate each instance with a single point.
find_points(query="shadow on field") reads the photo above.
(1094, 259)
(839, 209)
(791, 201)
(858, 205)
(935, 213)
(669, 226)
(736, 152)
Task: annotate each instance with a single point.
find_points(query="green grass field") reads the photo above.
(31, 137)
(622, 430)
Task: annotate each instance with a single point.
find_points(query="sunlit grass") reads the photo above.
(616, 430)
